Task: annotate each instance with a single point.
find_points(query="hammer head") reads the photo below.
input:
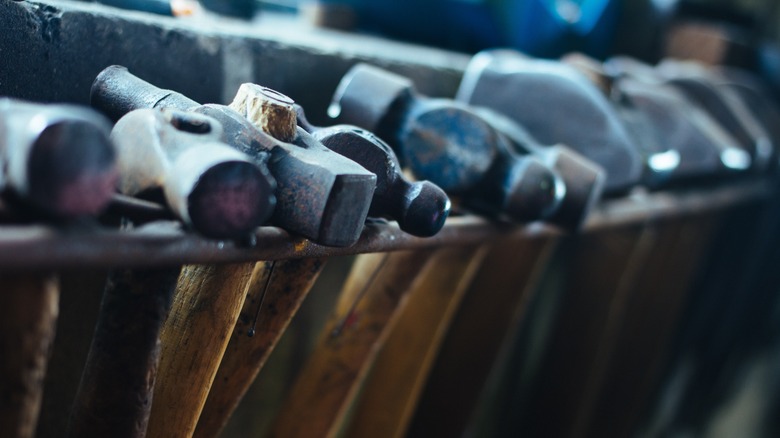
(419, 207)
(447, 143)
(703, 147)
(555, 104)
(323, 195)
(58, 158)
(698, 84)
(115, 92)
(583, 179)
(756, 96)
(365, 97)
(688, 144)
(215, 189)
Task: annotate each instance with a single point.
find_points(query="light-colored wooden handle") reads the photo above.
(331, 377)
(491, 310)
(29, 305)
(207, 302)
(390, 393)
(285, 286)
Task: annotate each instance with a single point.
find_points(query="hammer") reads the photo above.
(698, 84)
(448, 144)
(669, 133)
(57, 159)
(215, 189)
(686, 127)
(555, 105)
(314, 184)
(420, 207)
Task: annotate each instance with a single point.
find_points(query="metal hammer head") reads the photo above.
(215, 189)
(583, 179)
(315, 187)
(57, 158)
(419, 207)
(448, 144)
(115, 91)
(322, 195)
(698, 84)
(556, 105)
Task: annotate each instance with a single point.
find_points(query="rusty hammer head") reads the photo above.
(58, 158)
(323, 195)
(212, 187)
(584, 179)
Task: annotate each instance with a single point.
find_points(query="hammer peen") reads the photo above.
(320, 194)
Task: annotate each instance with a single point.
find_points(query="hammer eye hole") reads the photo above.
(187, 123)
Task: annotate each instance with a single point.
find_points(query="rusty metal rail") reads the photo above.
(165, 243)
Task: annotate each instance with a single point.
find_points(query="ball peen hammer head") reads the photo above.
(420, 207)
(447, 143)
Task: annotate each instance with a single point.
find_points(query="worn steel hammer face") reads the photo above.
(212, 187)
(320, 194)
(419, 207)
(449, 144)
(556, 105)
(58, 158)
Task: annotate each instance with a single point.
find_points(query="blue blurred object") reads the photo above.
(543, 28)
(160, 7)
(551, 28)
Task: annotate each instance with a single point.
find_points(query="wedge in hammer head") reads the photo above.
(556, 105)
(449, 144)
(320, 195)
(57, 158)
(215, 189)
(419, 207)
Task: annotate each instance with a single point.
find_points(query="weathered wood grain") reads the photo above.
(331, 378)
(29, 305)
(114, 397)
(207, 302)
(389, 395)
(284, 286)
